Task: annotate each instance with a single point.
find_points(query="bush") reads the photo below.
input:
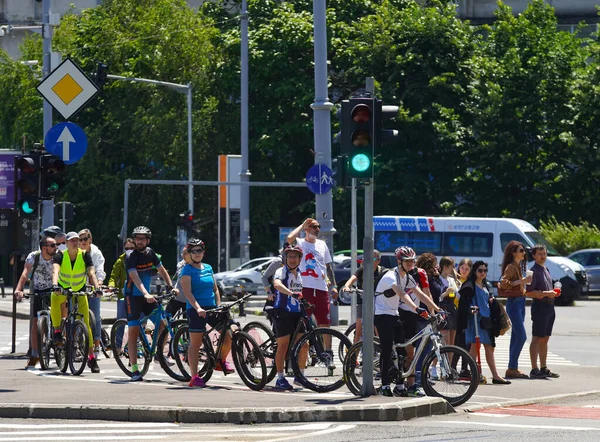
(568, 238)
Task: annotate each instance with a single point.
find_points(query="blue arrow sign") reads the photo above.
(319, 179)
(66, 140)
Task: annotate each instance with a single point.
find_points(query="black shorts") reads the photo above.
(410, 323)
(175, 306)
(286, 323)
(197, 324)
(37, 304)
(542, 316)
(447, 304)
(135, 306)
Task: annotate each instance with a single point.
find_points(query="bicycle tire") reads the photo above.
(319, 375)
(163, 358)
(206, 361)
(265, 338)
(44, 345)
(353, 367)
(351, 331)
(105, 343)
(449, 376)
(61, 354)
(119, 334)
(249, 361)
(79, 341)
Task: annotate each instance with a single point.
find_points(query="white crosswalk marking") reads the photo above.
(501, 354)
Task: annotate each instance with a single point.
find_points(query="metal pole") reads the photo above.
(125, 207)
(64, 217)
(47, 31)
(353, 245)
(189, 112)
(322, 119)
(368, 295)
(245, 172)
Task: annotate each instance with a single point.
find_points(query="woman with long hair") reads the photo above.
(464, 268)
(512, 285)
(447, 298)
(475, 298)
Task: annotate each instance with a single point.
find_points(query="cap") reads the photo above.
(72, 235)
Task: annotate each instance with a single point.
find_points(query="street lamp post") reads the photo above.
(183, 89)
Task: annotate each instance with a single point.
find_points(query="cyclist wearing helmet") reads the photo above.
(202, 294)
(394, 288)
(138, 299)
(288, 290)
(58, 235)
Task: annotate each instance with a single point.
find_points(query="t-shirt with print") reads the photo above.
(292, 282)
(389, 306)
(142, 262)
(541, 281)
(42, 280)
(202, 283)
(313, 266)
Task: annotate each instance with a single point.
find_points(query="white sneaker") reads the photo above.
(433, 374)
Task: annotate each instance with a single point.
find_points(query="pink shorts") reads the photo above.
(320, 298)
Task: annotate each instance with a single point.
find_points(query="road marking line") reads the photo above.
(307, 436)
(489, 414)
(591, 406)
(536, 427)
(83, 438)
(117, 425)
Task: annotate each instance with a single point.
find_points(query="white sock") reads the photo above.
(280, 375)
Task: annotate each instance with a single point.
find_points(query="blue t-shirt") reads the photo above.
(145, 263)
(202, 284)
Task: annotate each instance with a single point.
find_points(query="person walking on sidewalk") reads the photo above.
(38, 268)
(542, 313)
(512, 286)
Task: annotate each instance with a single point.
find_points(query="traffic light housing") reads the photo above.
(186, 221)
(69, 212)
(339, 169)
(359, 135)
(52, 170)
(101, 74)
(28, 184)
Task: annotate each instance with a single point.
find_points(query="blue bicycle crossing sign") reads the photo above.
(319, 179)
(66, 140)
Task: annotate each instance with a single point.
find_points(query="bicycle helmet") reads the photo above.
(291, 249)
(195, 242)
(142, 230)
(405, 252)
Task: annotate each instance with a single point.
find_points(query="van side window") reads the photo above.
(422, 242)
(468, 244)
(505, 238)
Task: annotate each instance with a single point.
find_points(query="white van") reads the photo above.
(478, 239)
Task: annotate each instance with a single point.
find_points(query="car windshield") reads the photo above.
(250, 264)
(536, 238)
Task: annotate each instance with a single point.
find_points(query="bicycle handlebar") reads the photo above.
(227, 307)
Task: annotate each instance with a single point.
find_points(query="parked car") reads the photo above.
(246, 266)
(590, 259)
(249, 275)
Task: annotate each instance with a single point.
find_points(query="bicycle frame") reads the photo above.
(158, 316)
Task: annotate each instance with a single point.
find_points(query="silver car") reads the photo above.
(590, 259)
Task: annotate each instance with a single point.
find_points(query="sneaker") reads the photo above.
(536, 373)
(283, 384)
(58, 339)
(400, 391)
(93, 364)
(385, 390)
(224, 367)
(136, 376)
(297, 382)
(464, 374)
(548, 373)
(415, 391)
(196, 381)
(330, 362)
(32, 362)
(433, 374)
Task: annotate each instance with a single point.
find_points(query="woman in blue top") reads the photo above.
(474, 296)
(200, 289)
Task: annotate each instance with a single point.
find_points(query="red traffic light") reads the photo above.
(361, 113)
(26, 164)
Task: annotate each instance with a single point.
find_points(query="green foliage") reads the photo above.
(568, 238)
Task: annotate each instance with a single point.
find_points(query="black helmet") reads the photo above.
(52, 232)
(142, 230)
(195, 242)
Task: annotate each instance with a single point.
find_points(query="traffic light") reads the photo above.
(52, 170)
(28, 167)
(339, 169)
(69, 211)
(101, 73)
(186, 221)
(387, 136)
(359, 133)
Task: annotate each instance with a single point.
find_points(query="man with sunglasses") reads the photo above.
(38, 269)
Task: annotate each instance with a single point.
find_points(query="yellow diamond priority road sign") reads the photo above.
(67, 88)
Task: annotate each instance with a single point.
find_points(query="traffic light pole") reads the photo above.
(322, 119)
(245, 172)
(368, 294)
(47, 211)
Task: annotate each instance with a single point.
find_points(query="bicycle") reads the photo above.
(44, 329)
(320, 372)
(105, 347)
(74, 351)
(350, 332)
(437, 375)
(247, 356)
(159, 348)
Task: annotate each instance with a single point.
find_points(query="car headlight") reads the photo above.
(570, 273)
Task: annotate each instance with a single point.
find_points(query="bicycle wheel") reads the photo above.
(353, 367)
(44, 343)
(164, 354)
(119, 336)
(249, 361)
(350, 332)
(105, 343)
(78, 347)
(445, 381)
(267, 343)
(324, 368)
(206, 361)
(61, 354)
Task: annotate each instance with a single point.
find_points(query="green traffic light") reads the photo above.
(26, 208)
(360, 162)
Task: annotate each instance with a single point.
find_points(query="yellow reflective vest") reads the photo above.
(72, 277)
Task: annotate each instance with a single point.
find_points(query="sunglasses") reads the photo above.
(521, 250)
(315, 226)
(196, 251)
(51, 245)
(129, 248)
(482, 270)
(84, 238)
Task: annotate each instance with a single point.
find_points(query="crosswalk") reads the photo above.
(501, 355)
(144, 431)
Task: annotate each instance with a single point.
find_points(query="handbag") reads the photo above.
(515, 292)
(505, 323)
(485, 322)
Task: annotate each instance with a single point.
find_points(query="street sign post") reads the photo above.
(319, 179)
(66, 140)
(67, 88)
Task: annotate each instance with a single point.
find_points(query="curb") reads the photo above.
(396, 411)
(533, 400)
